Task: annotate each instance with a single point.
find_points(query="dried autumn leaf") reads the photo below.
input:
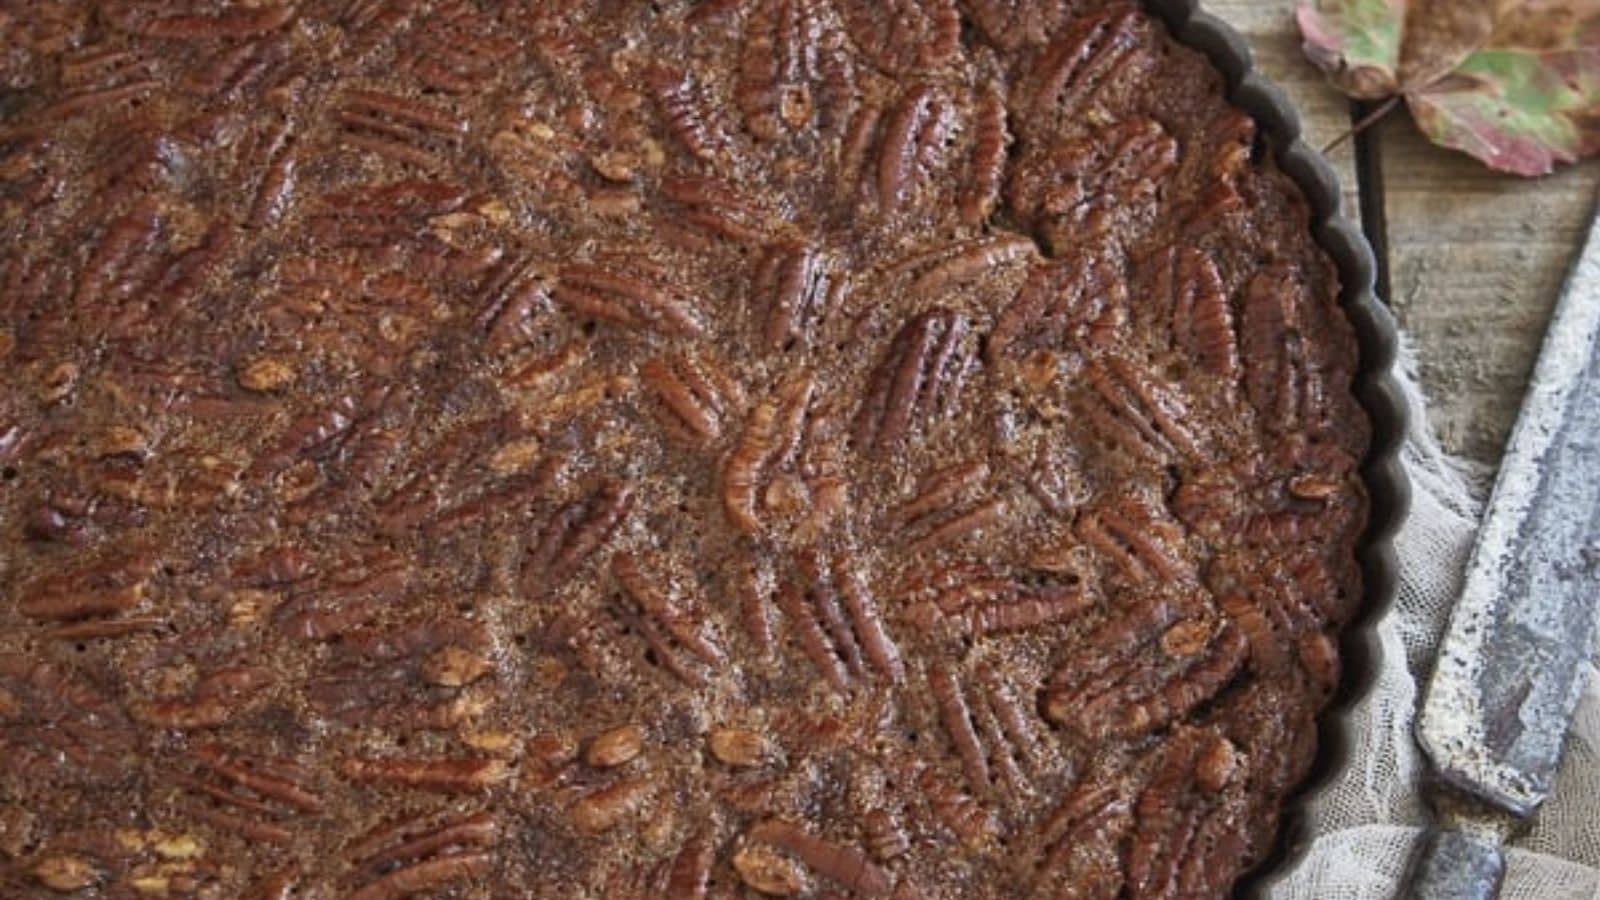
(1515, 83)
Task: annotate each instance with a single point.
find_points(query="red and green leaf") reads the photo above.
(1515, 83)
(1357, 42)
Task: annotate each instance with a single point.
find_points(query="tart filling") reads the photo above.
(681, 449)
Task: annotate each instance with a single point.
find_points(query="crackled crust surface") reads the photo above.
(598, 448)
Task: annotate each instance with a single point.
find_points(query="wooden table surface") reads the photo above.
(1474, 259)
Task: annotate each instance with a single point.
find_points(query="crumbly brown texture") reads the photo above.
(569, 448)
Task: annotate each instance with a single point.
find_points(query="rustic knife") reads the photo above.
(1508, 672)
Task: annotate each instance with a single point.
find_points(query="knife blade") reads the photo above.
(1507, 677)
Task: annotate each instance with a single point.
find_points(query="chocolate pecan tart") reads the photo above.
(622, 449)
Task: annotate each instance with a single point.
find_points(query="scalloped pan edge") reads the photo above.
(1376, 388)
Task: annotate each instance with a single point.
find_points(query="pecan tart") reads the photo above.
(622, 449)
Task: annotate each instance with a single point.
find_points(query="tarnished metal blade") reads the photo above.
(1507, 678)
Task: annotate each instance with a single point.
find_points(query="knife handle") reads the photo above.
(1454, 865)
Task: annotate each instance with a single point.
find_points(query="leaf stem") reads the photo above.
(1371, 119)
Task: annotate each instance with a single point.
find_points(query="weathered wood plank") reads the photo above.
(1477, 260)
